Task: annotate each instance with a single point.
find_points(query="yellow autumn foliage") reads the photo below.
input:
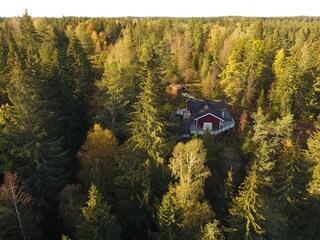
(97, 158)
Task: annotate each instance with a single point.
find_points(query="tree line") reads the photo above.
(88, 149)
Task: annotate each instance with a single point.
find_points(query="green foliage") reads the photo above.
(312, 155)
(255, 65)
(113, 97)
(148, 126)
(139, 186)
(169, 216)
(81, 75)
(50, 97)
(229, 187)
(71, 199)
(64, 237)
(289, 189)
(268, 139)
(97, 221)
(245, 214)
(96, 165)
(233, 76)
(211, 231)
(188, 168)
(5, 162)
(29, 132)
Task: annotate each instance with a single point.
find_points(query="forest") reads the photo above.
(90, 147)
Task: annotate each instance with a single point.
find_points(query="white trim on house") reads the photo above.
(207, 115)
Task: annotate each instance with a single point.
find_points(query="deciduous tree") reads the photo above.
(16, 209)
(97, 157)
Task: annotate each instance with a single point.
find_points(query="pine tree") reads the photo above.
(97, 221)
(245, 214)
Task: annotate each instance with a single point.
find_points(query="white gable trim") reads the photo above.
(211, 115)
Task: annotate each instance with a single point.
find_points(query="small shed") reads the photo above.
(177, 88)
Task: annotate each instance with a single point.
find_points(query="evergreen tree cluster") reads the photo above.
(90, 149)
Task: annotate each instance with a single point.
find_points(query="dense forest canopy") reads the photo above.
(90, 147)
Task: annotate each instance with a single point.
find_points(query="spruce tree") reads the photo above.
(68, 109)
(30, 128)
(289, 192)
(97, 222)
(5, 41)
(268, 141)
(245, 213)
(169, 217)
(148, 140)
(112, 98)
(148, 125)
(79, 79)
(312, 155)
(29, 40)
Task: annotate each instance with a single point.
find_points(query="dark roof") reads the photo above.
(203, 107)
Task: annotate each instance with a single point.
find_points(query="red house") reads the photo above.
(206, 115)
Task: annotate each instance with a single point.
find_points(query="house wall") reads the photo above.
(209, 118)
